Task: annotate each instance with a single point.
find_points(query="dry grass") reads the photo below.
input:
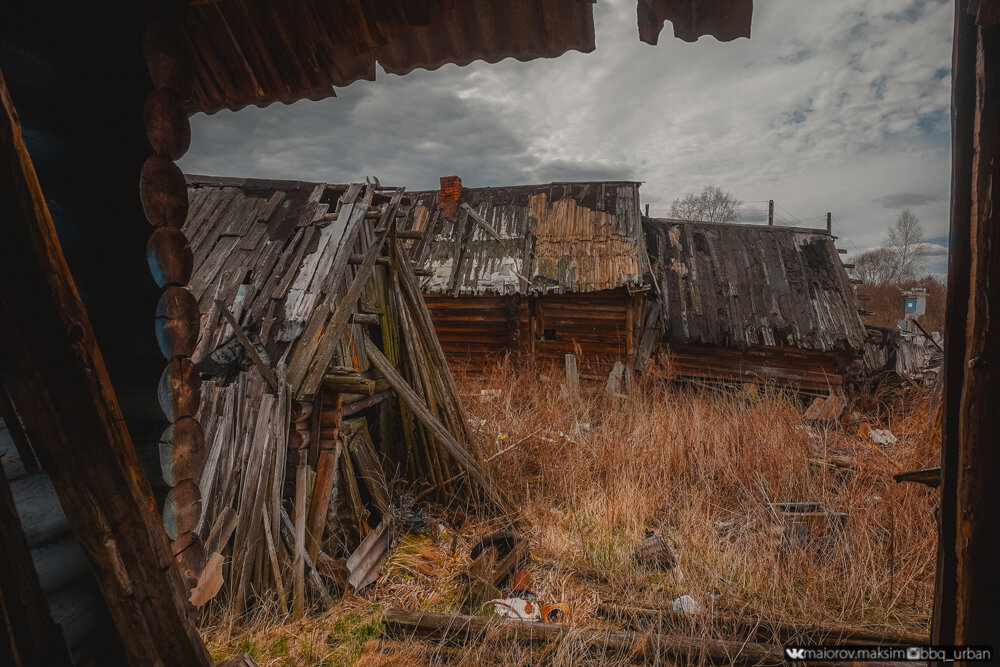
(590, 473)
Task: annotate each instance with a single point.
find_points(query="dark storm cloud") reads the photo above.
(837, 106)
(907, 199)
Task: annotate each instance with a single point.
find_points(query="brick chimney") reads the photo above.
(451, 190)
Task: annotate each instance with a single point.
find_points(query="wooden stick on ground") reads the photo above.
(646, 645)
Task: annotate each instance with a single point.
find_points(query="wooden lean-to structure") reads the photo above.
(322, 383)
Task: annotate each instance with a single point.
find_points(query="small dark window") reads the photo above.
(548, 334)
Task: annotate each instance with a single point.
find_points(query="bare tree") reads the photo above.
(905, 241)
(901, 257)
(712, 204)
(874, 267)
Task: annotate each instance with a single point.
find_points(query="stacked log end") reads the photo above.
(165, 202)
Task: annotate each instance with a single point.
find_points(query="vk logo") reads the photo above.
(795, 653)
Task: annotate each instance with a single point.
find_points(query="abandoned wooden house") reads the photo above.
(749, 302)
(316, 354)
(103, 92)
(537, 271)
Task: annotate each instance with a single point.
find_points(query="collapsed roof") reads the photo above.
(739, 286)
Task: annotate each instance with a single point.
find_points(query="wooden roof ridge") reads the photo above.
(743, 225)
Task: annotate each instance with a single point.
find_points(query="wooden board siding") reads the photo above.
(805, 370)
(476, 331)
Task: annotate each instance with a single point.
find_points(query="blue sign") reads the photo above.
(911, 306)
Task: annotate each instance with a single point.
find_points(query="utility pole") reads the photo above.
(647, 210)
(829, 225)
(770, 213)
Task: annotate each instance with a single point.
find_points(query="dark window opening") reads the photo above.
(548, 334)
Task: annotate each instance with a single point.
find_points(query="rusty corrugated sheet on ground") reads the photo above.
(532, 239)
(259, 52)
(741, 286)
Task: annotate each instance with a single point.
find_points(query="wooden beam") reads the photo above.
(357, 406)
(478, 219)
(353, 383)
(439, 626)
(265, 370)
(963, 104)
(423, 413)
(977, 531)
(54, 373)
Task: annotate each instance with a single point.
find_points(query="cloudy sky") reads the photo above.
(830, 106)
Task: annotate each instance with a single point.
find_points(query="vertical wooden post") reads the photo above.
(829, 222)
(770, 213)
(647, 210)
(963, 104)
(532, 332)
(977, 535)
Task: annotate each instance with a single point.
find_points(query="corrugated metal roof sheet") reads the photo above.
(259, 52)
(723, 19)
(744, 285)
(561, 237)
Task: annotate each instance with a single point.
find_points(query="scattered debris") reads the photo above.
(365, 562)
(486, 395)
(517, 607)
(827, 409)
(209, 581)
(807, 520)
(686, 604)
(655, 552)
(877, 436)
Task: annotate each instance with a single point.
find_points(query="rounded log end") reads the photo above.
(182, 509)
(167, 126)
(170, 258)
(179, 390)
(163, 192)
(177, 323)
(182, 451)
(168, 57)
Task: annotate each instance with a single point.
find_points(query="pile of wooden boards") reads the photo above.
(272, 488)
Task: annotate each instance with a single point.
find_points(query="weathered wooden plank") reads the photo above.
(650, 646)
(406, 394)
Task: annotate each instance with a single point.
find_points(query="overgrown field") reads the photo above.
(590, 474)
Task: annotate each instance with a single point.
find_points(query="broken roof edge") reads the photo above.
(725, 20)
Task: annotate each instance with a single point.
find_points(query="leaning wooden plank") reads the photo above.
(408, 396)
(265, 370)
(299, 562)
(422, 319)
(312, 576)
(481, 221)
(54, 373)
(347, 305)
(326, 483)
(645, 645)
(366, 560)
